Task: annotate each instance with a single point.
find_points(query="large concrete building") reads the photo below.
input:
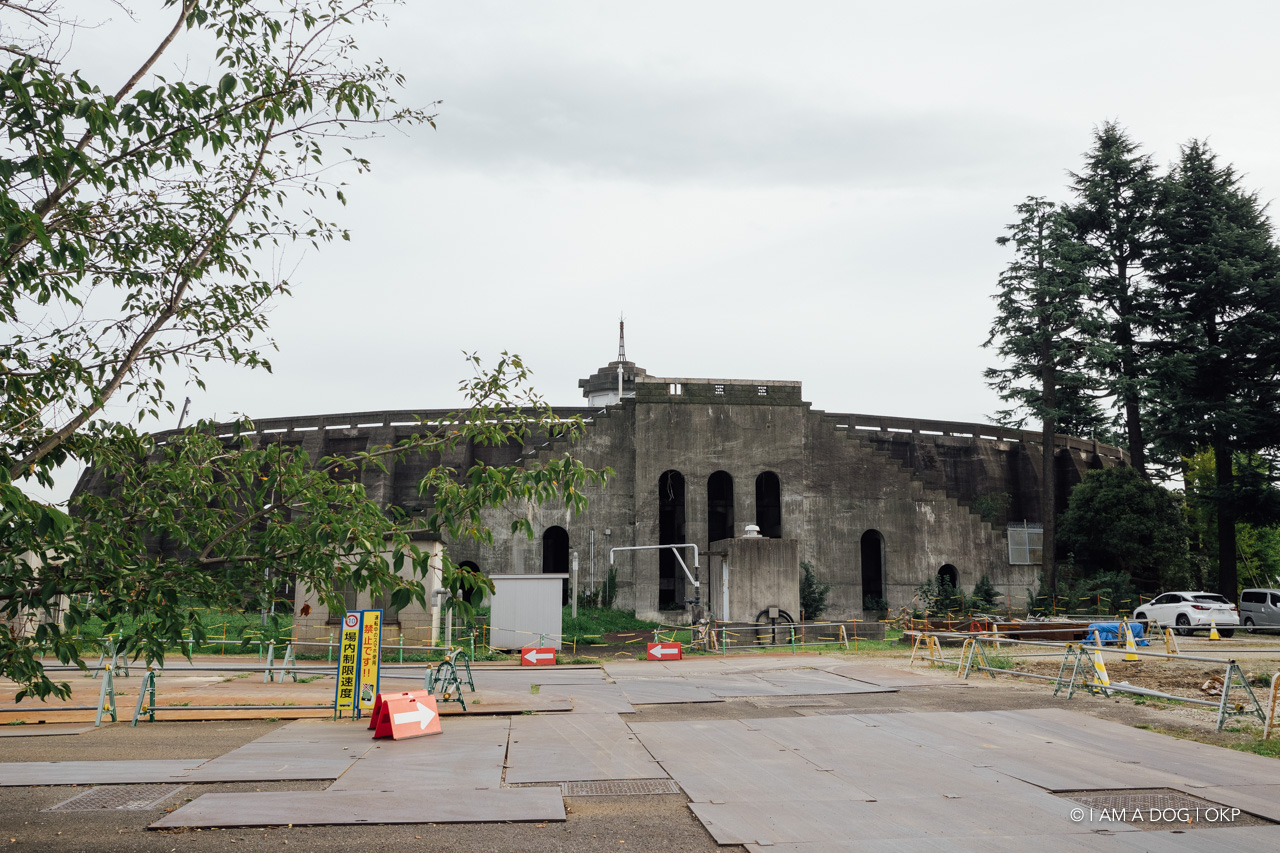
(876, 504)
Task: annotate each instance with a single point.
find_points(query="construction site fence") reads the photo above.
(148, 706)
(978, 647)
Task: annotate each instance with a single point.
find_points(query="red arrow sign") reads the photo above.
(409, 716)
(665, 651)
(380, 722)
(538, 657)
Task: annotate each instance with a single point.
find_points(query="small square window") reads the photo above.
(719, 390)
(762, 390)
(674, 389)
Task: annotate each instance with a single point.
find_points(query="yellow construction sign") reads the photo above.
(370, 657)
(345, 692)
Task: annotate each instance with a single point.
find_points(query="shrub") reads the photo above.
(813, 593)
(984, 595)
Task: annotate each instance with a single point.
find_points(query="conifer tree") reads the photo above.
(1115, 199)
(1042, 330)
(1216, 370)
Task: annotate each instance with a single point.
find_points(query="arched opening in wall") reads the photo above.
(950, 574)
(472, 567)
(719, 506)
(555, 556)
(872, 570)
(671, 531)
(769, 505)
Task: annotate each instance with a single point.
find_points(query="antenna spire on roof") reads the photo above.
(622, 345)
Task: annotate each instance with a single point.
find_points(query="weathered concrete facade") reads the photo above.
(878, 505)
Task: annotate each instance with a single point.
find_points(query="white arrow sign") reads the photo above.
(423, 715)
(533, 656)
(662, 651)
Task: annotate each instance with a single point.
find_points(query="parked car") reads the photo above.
(1260, 609)
(1186, 612)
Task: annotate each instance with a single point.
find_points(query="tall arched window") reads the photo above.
(719, 506)
(769, 505)
(555, 556)
(950, 574)
(671, 531)
(872, 569)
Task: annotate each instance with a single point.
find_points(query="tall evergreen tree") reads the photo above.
(1041, 330)
(1115, 200)
(1216, 371)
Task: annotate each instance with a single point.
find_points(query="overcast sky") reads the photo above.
(807, 191)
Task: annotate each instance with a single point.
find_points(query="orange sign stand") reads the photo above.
(377, 707)
(408, 715)
(665, 651)
(538, 656)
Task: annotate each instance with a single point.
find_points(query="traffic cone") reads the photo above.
(1130, 647)
(1099, 665)
(1100, 671)
(1213, 629)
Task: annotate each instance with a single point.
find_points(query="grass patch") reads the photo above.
(1253, 742)
(592, 623)
(219, 625)
(1258, 746)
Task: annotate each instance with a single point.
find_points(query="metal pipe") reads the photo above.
(328, 707)
(990, 636)
(724, 585)
(573, 593)
(675, 549)
(1271, 714)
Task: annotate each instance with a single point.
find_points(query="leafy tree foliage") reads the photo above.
(1257, 506)
(1117, 521)
(135, 219)
(1216, 370)
(1100, 594)
(1041, 331)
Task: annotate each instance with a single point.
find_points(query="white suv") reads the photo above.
(1188, 611)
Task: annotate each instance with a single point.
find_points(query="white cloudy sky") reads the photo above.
(807, 190)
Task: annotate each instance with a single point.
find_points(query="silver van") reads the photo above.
(1260, 608)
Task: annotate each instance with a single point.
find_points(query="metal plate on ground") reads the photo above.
(576, 748)
(619, 787)
(129, 798)
(1244, 840)
(1163, 808)
(43, 730)
(349, 808)
(845, 710)
(793, 702)
(467, 754)
(23, 773)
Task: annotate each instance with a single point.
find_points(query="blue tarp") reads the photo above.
(1111, 634)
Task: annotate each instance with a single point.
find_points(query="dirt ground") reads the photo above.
(1188, 675)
